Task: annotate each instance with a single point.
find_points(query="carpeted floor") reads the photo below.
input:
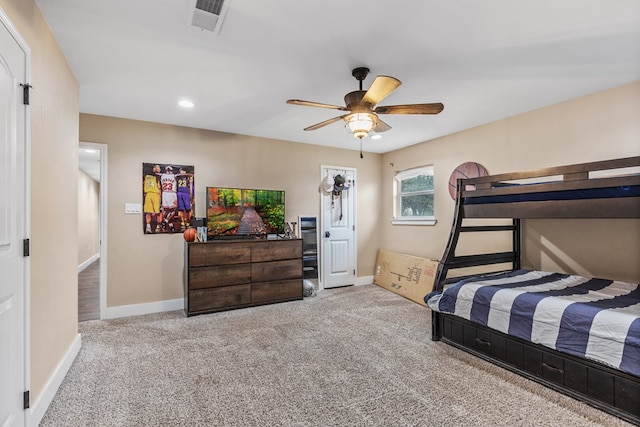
(356, 356)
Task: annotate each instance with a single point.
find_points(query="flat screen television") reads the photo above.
(244, 212)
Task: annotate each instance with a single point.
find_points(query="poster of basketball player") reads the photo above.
(167, 197)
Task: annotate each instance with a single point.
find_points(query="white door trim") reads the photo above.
(103, 222)
(4, 19)
(323, 219)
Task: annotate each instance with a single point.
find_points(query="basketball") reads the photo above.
(465, 170)
(190, 234)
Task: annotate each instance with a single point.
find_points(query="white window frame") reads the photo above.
(398, 219)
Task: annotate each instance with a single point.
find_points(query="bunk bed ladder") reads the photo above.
(450, 261)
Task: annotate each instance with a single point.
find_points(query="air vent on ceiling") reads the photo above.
(208, 14)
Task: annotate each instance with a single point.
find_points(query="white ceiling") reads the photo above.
(484, 59)
(89, 161)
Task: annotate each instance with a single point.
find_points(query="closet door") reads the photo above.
(339, 231)
(13, 226)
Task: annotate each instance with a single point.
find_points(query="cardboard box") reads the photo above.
(406, 275)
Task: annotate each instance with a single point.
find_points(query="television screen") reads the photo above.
(243, 212)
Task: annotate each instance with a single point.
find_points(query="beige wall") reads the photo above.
(54, 218)
(88, 217)
(601, 126)
(148, 268)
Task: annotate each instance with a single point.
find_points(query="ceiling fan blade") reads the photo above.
(326, 122)
(410, 109)
(381, 87)
(315, 104)
(381, 126)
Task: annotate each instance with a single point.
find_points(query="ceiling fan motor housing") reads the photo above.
(353, 101)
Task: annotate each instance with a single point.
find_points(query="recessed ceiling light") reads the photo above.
(376, 136)
(185, 103)
(90, 150)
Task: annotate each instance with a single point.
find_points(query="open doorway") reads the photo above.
(92, 264)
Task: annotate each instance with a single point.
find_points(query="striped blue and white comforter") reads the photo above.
(596, 319)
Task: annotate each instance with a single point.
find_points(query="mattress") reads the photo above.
(591, 318)
(591, 193)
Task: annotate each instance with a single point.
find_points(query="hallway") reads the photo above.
(89, 292)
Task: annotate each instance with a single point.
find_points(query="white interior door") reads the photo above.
(338, 233)
(12, 228)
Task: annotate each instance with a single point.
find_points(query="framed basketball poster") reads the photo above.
(168, 197)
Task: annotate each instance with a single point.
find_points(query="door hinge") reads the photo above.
(354, 227)
(25, 247)
(25, 399)
(25, 93)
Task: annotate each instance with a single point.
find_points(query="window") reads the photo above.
(414, 197)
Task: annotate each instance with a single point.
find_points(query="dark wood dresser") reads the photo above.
(224, 275)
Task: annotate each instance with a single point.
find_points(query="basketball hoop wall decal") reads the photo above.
(465, 170)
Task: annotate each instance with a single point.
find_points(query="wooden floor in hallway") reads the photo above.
(89, 292)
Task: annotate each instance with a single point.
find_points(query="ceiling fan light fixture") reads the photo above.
(360, 124)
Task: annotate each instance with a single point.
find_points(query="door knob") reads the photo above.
(327, 234)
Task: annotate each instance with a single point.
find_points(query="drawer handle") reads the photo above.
(483, 342)
(552, 368)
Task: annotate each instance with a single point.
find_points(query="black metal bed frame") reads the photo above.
(608, 389)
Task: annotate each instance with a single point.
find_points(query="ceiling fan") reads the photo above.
(361, 105)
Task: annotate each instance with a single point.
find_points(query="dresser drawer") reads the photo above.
(276, 270)
(215, 298)
(205, 254)
(220, 275)
(275, 291)
(276, 250)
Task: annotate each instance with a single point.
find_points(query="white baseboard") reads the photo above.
(171, 305)
(88, 262)
(139, 309)
(39, 408)
(364, 280)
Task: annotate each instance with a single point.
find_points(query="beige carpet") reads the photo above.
(356, 356)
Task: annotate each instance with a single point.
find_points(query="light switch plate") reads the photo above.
(132, 208)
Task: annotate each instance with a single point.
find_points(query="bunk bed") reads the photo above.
(577, 335)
